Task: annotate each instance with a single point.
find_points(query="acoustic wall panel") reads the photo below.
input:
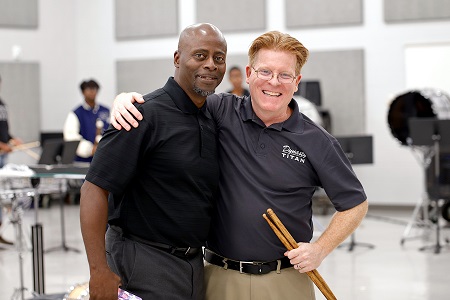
(305, 13)
(143, 76)
(19, 13)
(341, 76)
(415, 10)
(20, 91)
(233, 15)
(140, 19)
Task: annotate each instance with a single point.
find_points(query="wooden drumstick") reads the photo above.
(290, 244)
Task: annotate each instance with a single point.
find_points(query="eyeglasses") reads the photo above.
(265, 74)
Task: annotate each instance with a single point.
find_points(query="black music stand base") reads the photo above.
(352, 244)
(63, 245)
(437, 246)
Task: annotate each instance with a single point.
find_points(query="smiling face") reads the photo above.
(270, 98)
(200, 61)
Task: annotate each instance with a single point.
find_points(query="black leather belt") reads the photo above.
(186, 252)
(249, 267)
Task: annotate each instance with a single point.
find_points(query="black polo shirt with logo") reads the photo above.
(163, 174)
(276, 167)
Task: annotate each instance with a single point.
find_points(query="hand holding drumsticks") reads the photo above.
(290, 244)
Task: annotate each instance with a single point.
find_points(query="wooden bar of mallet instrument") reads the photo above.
(290, 244)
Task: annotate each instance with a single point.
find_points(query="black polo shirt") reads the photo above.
(161, 175)
(276, 167)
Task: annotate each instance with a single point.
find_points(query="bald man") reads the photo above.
(158, 181)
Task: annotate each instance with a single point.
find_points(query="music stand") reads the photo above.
(359, 150)
(69, 151)
(435, 133)
(59, 152)
(51, 152)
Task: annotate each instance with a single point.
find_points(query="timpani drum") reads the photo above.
(426, 103)
(78, 292)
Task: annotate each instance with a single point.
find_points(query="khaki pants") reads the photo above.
(228, 284)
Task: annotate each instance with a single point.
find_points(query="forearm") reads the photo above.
(341, 226)
(93, 220)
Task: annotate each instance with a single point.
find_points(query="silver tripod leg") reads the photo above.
(416, 220)
(423, 155)
(16, 219)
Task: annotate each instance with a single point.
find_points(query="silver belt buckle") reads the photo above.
(244, 262)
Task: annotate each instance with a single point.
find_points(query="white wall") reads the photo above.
(75, 40)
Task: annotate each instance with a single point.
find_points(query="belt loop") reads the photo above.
(278, 266)
(225, 264)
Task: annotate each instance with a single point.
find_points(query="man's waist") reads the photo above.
(182, 252)
(249, 267)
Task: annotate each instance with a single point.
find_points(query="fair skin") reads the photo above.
(270, 100)
(200, 67)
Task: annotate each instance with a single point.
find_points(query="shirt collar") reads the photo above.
(182, 100)
(294, 123)
(88, 107)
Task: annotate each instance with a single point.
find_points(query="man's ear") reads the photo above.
(176, 59)
(297, 81)
(248, 72)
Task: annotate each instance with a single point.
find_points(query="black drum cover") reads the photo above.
(446, 211)
(427, 103)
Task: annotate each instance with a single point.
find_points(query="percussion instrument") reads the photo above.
(78, 292)
(426, 103)
(446, 211)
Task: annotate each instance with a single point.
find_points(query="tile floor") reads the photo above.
(389, 271)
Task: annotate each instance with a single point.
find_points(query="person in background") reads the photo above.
(271, 156)
(160, 178)
(87, 122)
(6, 143)
(236, 78)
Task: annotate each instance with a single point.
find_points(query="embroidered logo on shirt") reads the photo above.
(296, 155)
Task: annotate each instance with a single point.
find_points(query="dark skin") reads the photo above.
(236, 79)
(200, 67)
(89, 96)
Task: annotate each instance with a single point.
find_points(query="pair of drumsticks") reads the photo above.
(26, 148)
(290, 244)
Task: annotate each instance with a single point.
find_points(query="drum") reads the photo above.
(446, 210)
(427, 103)
(14, 199)
(78, 292)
